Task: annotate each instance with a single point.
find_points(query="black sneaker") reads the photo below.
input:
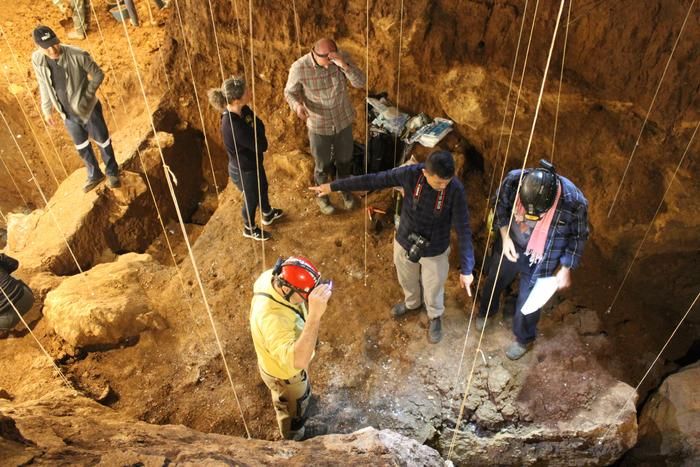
(269, 217)
(435, 330)
(255, 233)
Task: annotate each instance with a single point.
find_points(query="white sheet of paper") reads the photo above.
(543, 290)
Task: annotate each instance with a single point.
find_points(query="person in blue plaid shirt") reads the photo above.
(434, 202)
(546, 238)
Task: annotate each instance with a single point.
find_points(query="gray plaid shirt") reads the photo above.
(324, 93)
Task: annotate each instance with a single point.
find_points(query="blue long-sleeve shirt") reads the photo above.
(423, 217)
(569, 230)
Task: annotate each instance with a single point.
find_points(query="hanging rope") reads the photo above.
(398, 77)
(233, 133)
(527, 152)
(43, 349)
(651, 223)
(629, 399)
(12, 179)
(28, 89)
(196, 97)
(31, 129)
(41, 192)
(182, 228)
(36, 104)
(505, 113)
(183, 287)
(296, 26)
(240, 37)
(651, 105)
(561, 79)
(515, 108)
(364, 216)
(255, 128)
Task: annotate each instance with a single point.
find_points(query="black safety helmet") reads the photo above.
(538, 190)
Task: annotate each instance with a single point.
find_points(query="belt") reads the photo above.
(301, 376)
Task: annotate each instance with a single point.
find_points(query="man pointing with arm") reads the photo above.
(434, 202)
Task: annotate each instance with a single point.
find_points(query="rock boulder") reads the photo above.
(105, 305)
(669, 426)
(65, 428)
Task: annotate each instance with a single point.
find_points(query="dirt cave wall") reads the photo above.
(445, 71)
(456, 60)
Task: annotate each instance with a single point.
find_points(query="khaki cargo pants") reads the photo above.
(290, 398)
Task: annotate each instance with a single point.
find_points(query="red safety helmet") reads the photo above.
(297, 273)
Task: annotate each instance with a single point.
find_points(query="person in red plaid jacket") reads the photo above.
(317, 92)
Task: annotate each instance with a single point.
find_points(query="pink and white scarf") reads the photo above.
(538, 239)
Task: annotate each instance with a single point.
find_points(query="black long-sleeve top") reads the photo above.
(11, 286)
(425, 211)
(241, 150)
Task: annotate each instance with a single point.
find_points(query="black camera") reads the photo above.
(418, 242)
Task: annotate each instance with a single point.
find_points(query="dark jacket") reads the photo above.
(14, 288)
(238, 134)
(420, 214)
(569, 230)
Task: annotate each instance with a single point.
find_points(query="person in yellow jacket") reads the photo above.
(285, 314)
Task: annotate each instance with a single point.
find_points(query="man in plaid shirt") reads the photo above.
(317, 91)
(548, 231)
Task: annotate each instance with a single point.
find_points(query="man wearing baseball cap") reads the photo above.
(68, 80)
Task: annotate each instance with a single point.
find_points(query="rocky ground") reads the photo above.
(141, 342)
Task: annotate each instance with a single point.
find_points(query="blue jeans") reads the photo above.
(247, 182)
(524, 326)
(95, 128)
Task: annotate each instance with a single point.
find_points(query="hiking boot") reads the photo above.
(113, 181)
(313, 429)
(325, 205)
(92, 183)
(269, 217)
(400, 309)
(76, 35)
(255, 233)
(517, 350)
(348, 200)
(435, 330)
(480, 323)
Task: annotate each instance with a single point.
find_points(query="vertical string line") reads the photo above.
(193, 260)
(196, 97)
(230, 122)
(651, 105)
(43, 349)
(561, 79)
(505, 110)
(110, 64)
(651, 223)
(41, 192)
(34, 101)
(398, 76)
(365, 214)
(527, 153)
(255, 128)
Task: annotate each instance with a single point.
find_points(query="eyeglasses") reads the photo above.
(323, 55)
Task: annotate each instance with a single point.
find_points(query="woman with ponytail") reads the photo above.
(244, 137)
